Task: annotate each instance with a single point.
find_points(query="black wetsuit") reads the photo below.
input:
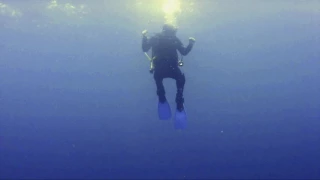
(164, 49)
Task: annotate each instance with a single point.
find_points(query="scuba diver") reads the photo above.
(165, 64)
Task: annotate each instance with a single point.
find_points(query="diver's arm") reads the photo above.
(146, 45)
(184, 51)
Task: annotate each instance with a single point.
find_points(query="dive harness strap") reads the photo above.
(180, 62)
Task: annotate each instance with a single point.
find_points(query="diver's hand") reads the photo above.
(192, 40)
(144, 32)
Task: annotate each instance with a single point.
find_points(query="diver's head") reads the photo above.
(169, 29)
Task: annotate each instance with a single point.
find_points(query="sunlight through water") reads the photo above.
(68, 8)
(171, 8)
(7, 10)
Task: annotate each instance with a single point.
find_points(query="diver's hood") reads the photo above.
(169, 29)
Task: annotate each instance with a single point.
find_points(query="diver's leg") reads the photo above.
(158, 77)
(180, 82)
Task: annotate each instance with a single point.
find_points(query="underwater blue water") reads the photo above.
(77, 100)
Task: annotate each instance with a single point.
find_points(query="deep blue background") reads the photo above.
(77, 100)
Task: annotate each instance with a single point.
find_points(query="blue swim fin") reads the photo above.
(180, 119)
(164, 110)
